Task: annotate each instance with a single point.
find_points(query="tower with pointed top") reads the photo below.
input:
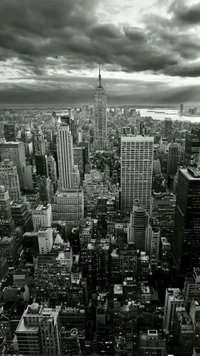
(100, 116)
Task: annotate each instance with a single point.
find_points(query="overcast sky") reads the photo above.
(50, 49)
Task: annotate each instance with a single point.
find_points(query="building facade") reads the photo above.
(186, 237)
(136, 171)
(14, 151)
(100, 117)
(9, 178)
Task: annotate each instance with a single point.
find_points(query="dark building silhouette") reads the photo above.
(186, 237)
(192, 147)
(172, 162)
(10, 132)
(181, 109)
(7, 225)
(41, 166)
(168, 127)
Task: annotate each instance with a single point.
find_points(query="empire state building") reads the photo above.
(100, 117)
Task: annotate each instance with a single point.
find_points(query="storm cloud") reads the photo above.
(53, 38)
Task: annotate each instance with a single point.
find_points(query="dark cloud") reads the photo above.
(35, 30)
(187, 15)
(49, 35)
(106, 30)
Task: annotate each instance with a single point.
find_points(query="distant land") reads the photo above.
(54, 106)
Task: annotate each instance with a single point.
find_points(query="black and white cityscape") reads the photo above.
(99, 178)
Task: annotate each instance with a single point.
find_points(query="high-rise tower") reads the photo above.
(9, 178)
(186, 239)
(100, 117)
(168, 127)
(65, 157)
(138, 229)
(192, 147)
(14, 151)
(172, 162)
(136, 171)
(7, 225)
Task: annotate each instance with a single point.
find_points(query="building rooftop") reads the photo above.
(42, 207)
(10, 143)
(74, 310)
(118, 289)
(6, 239)
(138, 138)
(189, 175)
(32, 315)
(184, 319)
(68, 192)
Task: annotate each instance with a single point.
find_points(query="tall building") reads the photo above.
(195, 316)
(9, 178)
(14, 151)
(191, 288)
(173, 299)
(100, 117)
(163, 210)
(38, 143)
(98, 252)
(136, 171)
(22, 215)
(168, 127)
(138, 230)
(186, 237)
(10, 247)
(71, 122)
(181, 109)
(152, 344)
(38, 331)
(65, 157)
(68, 206)
(10, 132)
(7, 225)
(154, 247)
(40, 163)
(51, 168)
(184, 332)
(45, 239)
(28, 177)
(172, 162)
(192, 147)
(42, 216)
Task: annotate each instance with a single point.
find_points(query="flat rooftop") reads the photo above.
(189, 176)
(42, 207)
(138, 138)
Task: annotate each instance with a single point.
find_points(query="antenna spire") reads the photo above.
(99, 74)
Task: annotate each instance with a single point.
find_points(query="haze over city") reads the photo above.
(50, 49)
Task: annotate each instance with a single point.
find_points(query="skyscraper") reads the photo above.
(65, 157)
(100, 117)
(136, 171)
(181, 109)
(168, 127)
(7, 225)
(192, 147)
(172, 162)
(10, 132)
(186, 237)
(14, 151)
(38, 143)
(9, 178)
(138, 226)
(38, 331)
(41, 166)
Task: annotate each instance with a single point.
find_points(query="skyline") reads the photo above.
(49, 52)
